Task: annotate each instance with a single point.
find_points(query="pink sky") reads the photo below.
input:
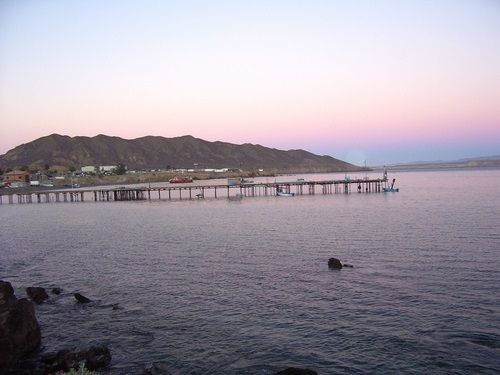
(330, 78)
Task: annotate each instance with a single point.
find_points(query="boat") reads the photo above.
(391, 189)
(281, 193)
(180, 180)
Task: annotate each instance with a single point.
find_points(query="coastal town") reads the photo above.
(113, 174)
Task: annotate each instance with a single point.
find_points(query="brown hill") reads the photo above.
(159, 152)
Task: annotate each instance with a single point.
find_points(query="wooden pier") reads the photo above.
(190, 191)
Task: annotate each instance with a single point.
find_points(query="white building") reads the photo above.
(88, 169)
(107, 168)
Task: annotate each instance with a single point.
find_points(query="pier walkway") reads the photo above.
(191, 191)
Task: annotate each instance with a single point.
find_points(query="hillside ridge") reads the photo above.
(157, 152)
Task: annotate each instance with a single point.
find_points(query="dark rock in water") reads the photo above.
(6, 293)
(27, 366)
(37, 295)
(19, 329)
(347, 265)
(157, 369)
(297, 371)
(56, 291)
(81, 299)
(59, 361)
(95, 358)
(334, 263)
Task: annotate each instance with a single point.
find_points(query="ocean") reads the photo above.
(213, 286)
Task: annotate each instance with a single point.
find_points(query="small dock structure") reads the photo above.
(191, 191)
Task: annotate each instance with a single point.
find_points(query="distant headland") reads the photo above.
(484, 162)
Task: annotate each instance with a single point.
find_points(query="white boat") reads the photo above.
(391, 189)
(280, 193)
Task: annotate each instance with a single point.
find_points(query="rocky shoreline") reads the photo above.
(21, 339)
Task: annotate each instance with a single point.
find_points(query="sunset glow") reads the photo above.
(388, 81)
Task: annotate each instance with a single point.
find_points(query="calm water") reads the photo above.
(220, 287)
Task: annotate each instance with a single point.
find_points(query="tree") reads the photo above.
(120, 169)
(72, 168)
(46, 167)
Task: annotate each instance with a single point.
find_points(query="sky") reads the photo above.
(364, 81)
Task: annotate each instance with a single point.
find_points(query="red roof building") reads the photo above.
(16, 176)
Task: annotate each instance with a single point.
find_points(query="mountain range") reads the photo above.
(153, 152)
(484, 162)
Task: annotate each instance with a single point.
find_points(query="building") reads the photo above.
(16, 176)
(107, 168)
(88, 169)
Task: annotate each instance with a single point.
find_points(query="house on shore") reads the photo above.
(16, 178)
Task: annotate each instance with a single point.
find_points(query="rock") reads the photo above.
(62, 360)
(297, 371)
(19, 329)
(37, 295)
(81, 299)
(97, 357)
(156, 369)
(28, 366)
(6, 293)
(94, 358)
(334, 263)
(347, 265)
(56, 291)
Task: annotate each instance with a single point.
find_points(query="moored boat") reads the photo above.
(281, 193)
(391, 189)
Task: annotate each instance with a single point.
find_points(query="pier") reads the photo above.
(191, 191)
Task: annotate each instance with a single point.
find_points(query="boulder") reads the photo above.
(6, 293)
(94, 358)
(334, 263)
(297, 371)
(19, 329)
(37, 294)
(156, 369)
(81, 299)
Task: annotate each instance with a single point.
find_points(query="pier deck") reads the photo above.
(191, 191)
